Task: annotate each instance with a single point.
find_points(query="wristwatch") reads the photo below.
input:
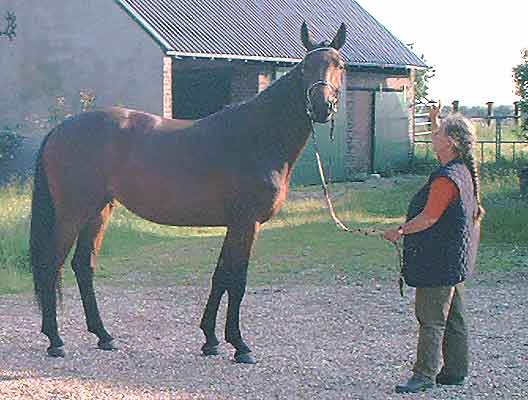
(400, 231)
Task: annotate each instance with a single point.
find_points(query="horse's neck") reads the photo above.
(283, 108)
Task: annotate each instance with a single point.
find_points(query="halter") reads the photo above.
(308, 94)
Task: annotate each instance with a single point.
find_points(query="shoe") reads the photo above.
(444, 379)
(417, 383)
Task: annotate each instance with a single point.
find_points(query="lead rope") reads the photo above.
(340, 225)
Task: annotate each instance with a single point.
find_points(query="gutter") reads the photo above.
(229, 57)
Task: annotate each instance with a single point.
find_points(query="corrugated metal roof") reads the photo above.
(266, 29)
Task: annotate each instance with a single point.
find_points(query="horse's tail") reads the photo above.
(42, 235)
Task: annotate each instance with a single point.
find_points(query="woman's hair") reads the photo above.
(462, 133)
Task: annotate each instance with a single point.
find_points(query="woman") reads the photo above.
(441, 238)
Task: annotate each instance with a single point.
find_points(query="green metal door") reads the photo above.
(391, 136)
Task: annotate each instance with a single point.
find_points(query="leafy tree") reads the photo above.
(421, 83)
(503, 110)
(520, 76)
(10, 140)
(9, 31)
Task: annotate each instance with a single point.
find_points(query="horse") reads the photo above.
(230, 169)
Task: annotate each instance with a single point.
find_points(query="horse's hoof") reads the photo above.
(245, 358)
(209, 350)
(107, 346)
(56, 352)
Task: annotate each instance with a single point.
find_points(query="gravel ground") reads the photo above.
(342, 342)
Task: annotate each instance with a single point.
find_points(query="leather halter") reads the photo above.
(334, 99)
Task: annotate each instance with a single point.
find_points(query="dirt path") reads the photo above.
(345, 342)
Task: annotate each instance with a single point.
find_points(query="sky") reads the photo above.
(472, 45)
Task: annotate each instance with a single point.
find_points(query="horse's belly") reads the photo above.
(176, 207)
(188, 218)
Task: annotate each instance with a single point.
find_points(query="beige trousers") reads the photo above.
(442, 335)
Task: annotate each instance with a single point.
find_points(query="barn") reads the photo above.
(190, 58)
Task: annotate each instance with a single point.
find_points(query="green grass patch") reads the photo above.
(15, 203)
(301, 245)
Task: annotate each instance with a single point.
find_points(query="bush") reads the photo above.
(520, 76)
(10, 141)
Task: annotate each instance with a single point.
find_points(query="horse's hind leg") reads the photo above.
(48, 277)
(84, 264)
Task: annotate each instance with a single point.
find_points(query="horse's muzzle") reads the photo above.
(327, 109)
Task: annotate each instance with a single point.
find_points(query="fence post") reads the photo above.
(498, 139)
(516, 113)
(490, 111)
(455, 105)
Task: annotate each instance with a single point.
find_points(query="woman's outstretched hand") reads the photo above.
(392, 235)
(434, 115)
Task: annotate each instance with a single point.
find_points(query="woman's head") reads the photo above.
(459, 133)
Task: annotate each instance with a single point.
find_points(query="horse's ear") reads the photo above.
(307, 41)
(340, 37)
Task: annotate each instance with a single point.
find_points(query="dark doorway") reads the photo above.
(197, 93)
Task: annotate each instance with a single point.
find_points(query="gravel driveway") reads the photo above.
(343, 342)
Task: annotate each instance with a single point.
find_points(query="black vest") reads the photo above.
(445, 253)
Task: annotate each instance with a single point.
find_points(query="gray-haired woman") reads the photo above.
(441, 239)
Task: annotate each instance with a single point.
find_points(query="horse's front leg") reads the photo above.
(240, 241)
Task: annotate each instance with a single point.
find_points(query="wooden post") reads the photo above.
(167, 87)
(455, 105)
(498, 139)
(516, 113)
(490, 111)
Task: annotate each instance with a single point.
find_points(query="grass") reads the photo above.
(300, 245)
(15, 203)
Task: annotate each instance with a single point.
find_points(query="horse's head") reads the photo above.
(322, 71)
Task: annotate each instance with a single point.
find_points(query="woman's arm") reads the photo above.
(443, 192)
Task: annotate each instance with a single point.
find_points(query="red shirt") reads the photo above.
(443, 192)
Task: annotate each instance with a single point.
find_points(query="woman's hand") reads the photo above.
(392, 235)
(434, 115)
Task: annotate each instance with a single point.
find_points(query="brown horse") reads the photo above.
(231, 169)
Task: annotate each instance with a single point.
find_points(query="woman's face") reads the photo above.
(440, 141)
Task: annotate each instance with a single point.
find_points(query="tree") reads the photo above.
(10, 140)
(11, 26)
(421, 83)
(520, 76)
